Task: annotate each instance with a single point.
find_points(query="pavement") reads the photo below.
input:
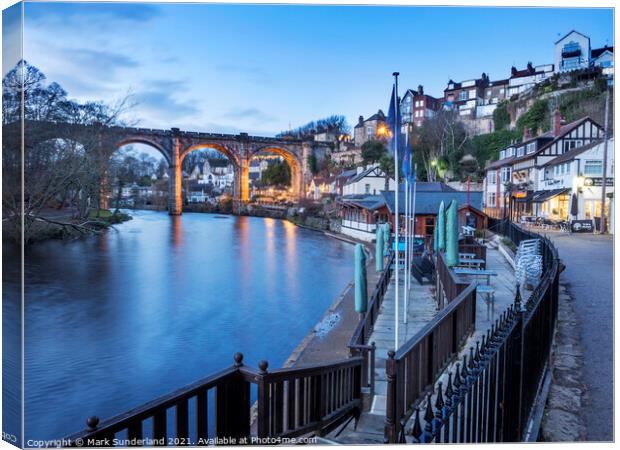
(329, 339)
(588, 279)
(422, 308)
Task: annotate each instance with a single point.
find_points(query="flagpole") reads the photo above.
(396, 221)
(406, 173)
(415, 184)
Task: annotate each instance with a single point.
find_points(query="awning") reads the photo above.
(543, 196)
(522, 197)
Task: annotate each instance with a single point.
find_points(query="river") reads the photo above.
(117, 319)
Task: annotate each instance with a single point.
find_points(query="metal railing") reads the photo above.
(413, 368)
(290, 402)
(358, 345)
(491, 395)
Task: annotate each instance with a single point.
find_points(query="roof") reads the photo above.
(434, 186)
(542, 196)
(572, 31)
(363, 174)
(599, 51)
(572, 154)
(347, 173)
(427, 202)
(370, 202)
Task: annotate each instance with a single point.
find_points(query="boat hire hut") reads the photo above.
(427, 200)
(360, 214)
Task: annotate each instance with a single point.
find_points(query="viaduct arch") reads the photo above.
(175, 145)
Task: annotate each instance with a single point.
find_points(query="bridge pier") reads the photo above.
(175, 201)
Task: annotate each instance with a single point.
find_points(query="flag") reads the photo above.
(406, 165)
(394, 119)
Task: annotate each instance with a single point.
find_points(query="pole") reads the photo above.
(406, 293)
(415, 184)
(604, 184)
(396, 221)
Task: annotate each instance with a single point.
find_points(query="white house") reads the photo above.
(369, 181)
(572, 52)
(579, 172)
(520, 166)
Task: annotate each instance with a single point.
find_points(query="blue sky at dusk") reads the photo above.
(231, 68)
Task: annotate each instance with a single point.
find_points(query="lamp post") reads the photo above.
(604, 183)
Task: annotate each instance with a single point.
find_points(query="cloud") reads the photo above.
(126, 12)
(99, 60)
(161, 98)
(254, 114)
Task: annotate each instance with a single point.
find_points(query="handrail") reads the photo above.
(358, 344)
(414, 367)
(291, 402)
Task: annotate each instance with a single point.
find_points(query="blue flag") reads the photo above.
(394, 120)
(406, 166)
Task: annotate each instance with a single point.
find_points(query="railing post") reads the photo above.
(262, 419)
(373, 349)
(390, 432)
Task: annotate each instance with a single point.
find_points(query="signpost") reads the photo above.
(582, 226)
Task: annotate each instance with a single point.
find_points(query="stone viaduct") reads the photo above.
(175, 145)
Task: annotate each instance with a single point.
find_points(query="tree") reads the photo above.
(373, 151)
(276, 174)
(439, 144)
(313, 164)
(335, 124)
(55, 170)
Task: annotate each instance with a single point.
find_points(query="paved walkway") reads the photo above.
(329, 339)
(589, 280)
(422, 310)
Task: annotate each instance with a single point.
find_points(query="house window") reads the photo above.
(593, 167)
(531, 147)
(463, 95)
(520, 151)
(491, 176)
(367, 188)
(369, 131)
(491, 199)
(502, 154)
(505, 174)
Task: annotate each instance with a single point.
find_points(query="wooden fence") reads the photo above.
(359, 345)
(413, 368)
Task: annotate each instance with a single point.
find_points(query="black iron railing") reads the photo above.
(491, 395)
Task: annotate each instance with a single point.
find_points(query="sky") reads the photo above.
(263, 68)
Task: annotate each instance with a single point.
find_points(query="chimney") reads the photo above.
(360, 121)
(526, 134)
(557, 122)
(420, 90)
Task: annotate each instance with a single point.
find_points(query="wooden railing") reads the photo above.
(359, 345)
(413, 368)
(448, 284)
(290, 402)
(469, 245)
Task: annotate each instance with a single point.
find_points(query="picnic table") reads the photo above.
(467, 255)
(476, 273)
(471, 262)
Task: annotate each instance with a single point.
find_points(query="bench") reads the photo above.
(489, 291)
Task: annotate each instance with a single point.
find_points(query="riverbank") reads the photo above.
(329, 339)
(61, 224)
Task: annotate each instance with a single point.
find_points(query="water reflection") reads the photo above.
(118, 319)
